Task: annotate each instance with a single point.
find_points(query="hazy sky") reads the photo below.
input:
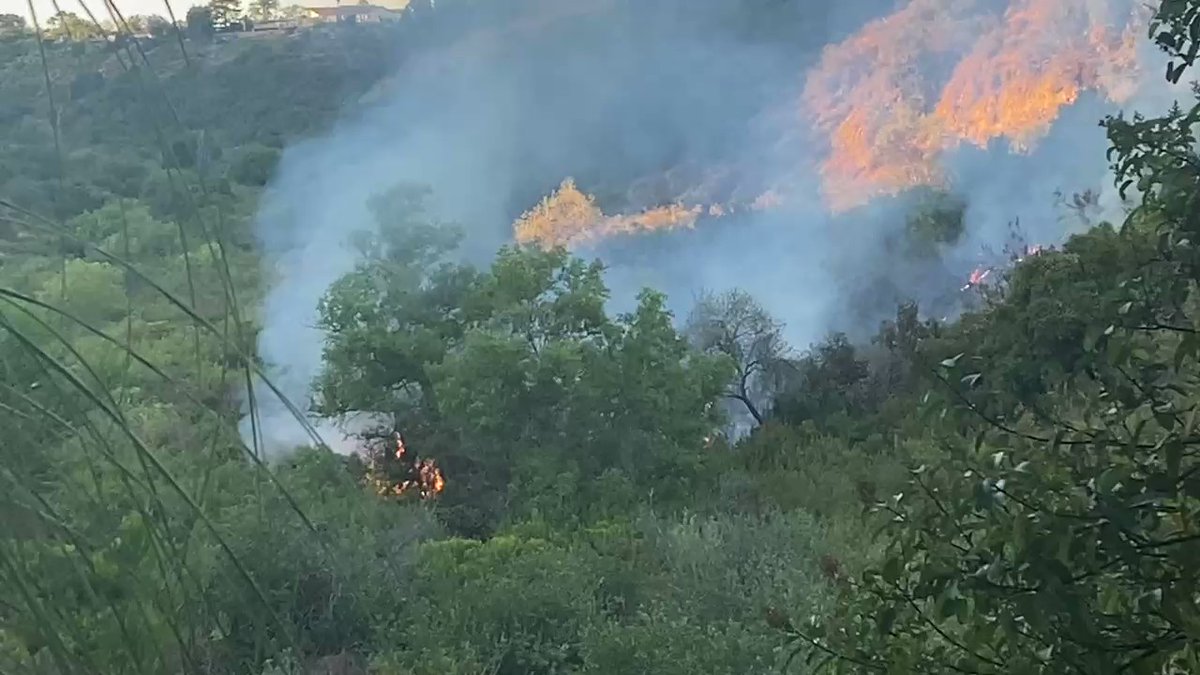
(45, 8)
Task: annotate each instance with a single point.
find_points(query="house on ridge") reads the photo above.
(363, 12)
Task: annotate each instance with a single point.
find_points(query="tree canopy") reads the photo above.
(516, 374)
(556, 488)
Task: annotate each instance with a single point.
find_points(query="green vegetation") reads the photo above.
(1031, 470)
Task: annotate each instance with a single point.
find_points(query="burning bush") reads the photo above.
(394, 471)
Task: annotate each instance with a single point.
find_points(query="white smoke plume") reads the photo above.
(494, 104)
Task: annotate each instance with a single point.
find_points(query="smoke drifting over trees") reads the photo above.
(646, 104)
(910, 404)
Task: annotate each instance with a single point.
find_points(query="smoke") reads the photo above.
(640, 102)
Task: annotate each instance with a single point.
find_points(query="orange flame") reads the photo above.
(422, 476)
(889, 117)
(891, 100)
(569, 216)
(980, 275)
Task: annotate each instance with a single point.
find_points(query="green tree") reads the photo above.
(200, 24)
(829, 382)
(12, 26)
(155, 26)
(514, 377)
(254, 165)
(1059, 533)
(937, 219)
(292, 12)
(70, 26)
(264, 10)
(225, 14)
(136, 24)
(735, 325)
(1175, 28)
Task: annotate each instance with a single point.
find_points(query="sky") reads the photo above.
(45, 8)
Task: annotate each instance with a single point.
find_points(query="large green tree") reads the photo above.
(200, 23)
(1060, 528)
(70, 26)
(735, 325)
(225, 13)
(515, 375)
(13, 25)
(264, 10)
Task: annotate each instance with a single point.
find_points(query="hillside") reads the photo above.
(240, 98)
(998, 475)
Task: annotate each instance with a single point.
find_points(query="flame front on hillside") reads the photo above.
(937, 74)
(569, 216)
(890, 101)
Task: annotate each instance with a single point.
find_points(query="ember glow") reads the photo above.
(938, 74)
(397, 473)
(979, 276)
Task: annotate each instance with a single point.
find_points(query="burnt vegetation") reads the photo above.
(560, 488)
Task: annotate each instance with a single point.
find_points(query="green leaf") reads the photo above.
(891, 570)
(886, 620)
(1108, 480)
(1187, 349)
(1020, 534)
(1174, 456)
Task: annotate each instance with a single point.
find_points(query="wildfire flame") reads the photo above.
(569, 216)
(980, 275)
(891, 100)
(418, 475)
(938, 74)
